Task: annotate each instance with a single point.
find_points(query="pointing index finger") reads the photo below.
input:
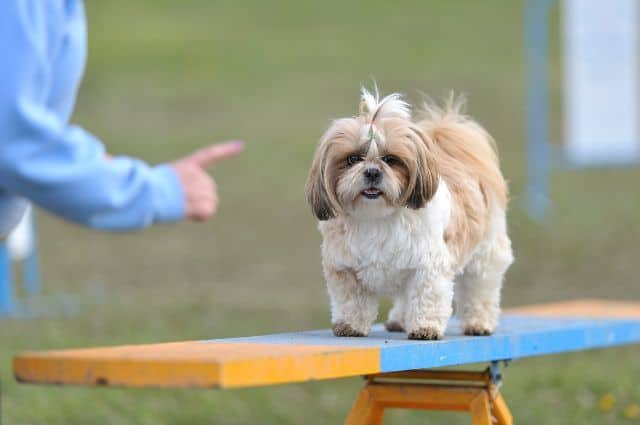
(214, 153)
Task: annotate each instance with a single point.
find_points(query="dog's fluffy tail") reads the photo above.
(465, 147)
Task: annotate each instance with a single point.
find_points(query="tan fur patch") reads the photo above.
(468, 162)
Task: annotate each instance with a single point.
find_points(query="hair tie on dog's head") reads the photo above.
(372, 108)
(373, 134)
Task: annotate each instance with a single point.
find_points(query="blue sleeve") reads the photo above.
(58, 166)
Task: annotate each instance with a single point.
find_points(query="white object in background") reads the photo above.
(601, 81)
(20, 241)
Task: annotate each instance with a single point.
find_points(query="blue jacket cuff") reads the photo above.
(168, 196)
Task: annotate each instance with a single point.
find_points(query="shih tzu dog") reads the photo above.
(413, 209)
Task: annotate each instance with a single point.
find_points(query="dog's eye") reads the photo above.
(390, 160)
(352, 159)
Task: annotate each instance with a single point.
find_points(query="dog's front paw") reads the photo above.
(428, 333)
(345, 329)
(394, 326)
(477, 330)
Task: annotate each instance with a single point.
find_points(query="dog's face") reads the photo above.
(371, 165)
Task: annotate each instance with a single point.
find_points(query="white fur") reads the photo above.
(391, 105)
(404, 255)
(397, 254)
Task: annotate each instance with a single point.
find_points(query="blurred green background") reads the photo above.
(165, 77)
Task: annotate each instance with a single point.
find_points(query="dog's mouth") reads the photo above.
(371, 193)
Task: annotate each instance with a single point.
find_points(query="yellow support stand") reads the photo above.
(465, 391)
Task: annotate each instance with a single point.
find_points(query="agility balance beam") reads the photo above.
(314, 355)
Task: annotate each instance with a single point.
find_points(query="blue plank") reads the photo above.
(517, 336)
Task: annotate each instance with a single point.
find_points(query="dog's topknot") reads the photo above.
(372, 108)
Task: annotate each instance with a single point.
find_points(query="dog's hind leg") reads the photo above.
(395, 321)
(477, 291)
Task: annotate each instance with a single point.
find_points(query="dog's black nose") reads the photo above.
(373, 175)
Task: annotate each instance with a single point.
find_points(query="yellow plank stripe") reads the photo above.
(196, 365)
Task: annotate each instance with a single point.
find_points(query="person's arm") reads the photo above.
(61, 167)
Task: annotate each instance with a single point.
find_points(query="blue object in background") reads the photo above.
(29, 276)
(31, 263)
(6, 288)
(542, 156)
(536, 35)
(31, 273)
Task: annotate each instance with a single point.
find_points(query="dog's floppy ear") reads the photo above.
(316, 191)
(425, 178)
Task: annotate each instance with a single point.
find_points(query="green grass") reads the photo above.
(166, 77)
